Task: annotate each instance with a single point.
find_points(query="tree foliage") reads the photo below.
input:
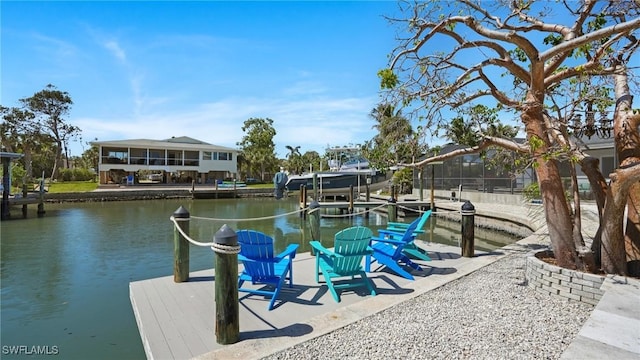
(257, 146)
(396, 142)
(487, 61)
(50, 106)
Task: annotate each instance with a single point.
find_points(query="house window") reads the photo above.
(206, 155)
(222, 156)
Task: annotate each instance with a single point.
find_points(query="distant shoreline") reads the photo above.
(146, 193)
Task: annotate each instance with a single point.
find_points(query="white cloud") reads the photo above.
(313, 124)
(116, 50)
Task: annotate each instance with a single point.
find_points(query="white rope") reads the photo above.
(197, 243)
(352, 214)
(219, 248)
(225, 249)
(249, 219)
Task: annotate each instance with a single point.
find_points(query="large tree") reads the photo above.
(257, 145)
(50, 107)
(21, 133)
(513, 55)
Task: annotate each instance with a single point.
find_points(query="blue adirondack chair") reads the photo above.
(351, 245)
(261, 267)
(388, 250)
(399, 229)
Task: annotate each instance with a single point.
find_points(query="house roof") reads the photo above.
(10, 155)
(181, 142)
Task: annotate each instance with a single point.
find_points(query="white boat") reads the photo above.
(355, 172)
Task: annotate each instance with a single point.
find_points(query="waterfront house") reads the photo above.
(175, 160)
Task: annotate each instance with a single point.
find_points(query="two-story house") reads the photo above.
(176, 160)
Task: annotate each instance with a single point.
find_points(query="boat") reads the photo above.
(354, 172)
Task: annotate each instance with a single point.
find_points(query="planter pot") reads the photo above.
(565, 283)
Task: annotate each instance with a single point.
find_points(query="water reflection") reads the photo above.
(65, 276)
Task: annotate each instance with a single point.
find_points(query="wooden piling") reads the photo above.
(468, 213)
(314, 221)
(351, 199)
(367, 198)
(303, 200)
(181, 246)
(226, 288)
(41, 198)
(25, 193)
(316, 190)
(392, 210)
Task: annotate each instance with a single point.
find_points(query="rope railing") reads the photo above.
(350, 215)
(249, 219)
(423, 211)
(219, 248)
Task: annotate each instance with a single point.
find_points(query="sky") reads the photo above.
(154, 70)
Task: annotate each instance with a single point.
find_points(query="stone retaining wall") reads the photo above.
(565, 283)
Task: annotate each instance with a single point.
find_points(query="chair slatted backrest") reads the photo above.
(423, 219)
(407, 238)
(257, 246)
(352, 244)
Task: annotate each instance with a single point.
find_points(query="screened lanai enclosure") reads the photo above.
(473, 173)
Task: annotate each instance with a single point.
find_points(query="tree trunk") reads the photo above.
(591, 168)
(632, 232)
(613, 252)
(627, 140)
(557, 214)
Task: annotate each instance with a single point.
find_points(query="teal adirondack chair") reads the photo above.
(344, 263)
(388, 250)
(399, 229)
(261, 267)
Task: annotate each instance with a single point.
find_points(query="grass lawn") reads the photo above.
(72, 186)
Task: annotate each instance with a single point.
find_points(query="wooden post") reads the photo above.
(41, 202)
(420, 178)
(5, 188)
(367, 197)
(24, 196)
(303, 200)
(314, 222)
(468, 211)
(392, 210)
(433, 182)
(181, 246)
(226, 288)
(350, 210)
(316, 190)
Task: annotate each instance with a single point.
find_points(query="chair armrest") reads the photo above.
(397, 224)
(289, 251)
(399, 230)
(319, 248)
(387, 240)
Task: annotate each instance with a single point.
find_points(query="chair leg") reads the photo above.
(276, 292)
(290, 273)
(368, 282)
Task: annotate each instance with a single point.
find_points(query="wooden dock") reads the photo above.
(177, 320)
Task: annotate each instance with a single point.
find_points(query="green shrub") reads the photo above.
(403, 179)
(76, 174)
(532, 191)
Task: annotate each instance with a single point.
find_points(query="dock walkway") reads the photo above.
(177, 320)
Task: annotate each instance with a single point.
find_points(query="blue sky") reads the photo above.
(200, 69)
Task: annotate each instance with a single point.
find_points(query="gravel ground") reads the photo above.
(489, 314)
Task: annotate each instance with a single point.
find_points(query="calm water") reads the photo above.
(65, 276)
